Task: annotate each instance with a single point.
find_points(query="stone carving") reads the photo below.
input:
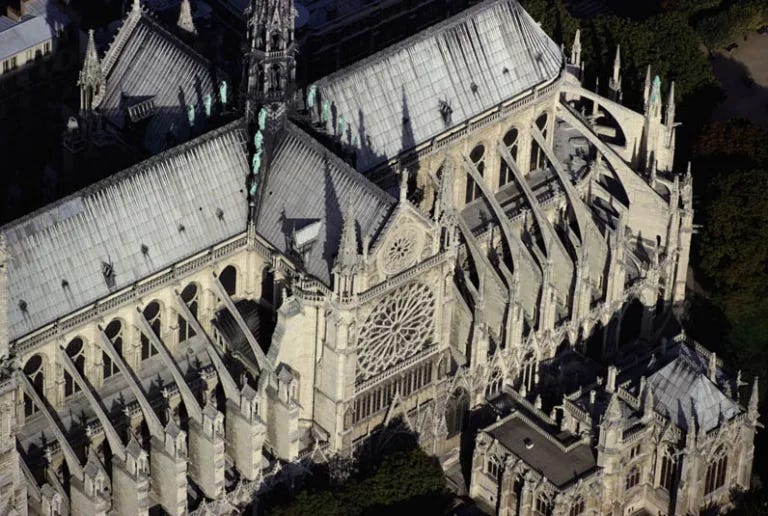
(402, 250)
(400, 326)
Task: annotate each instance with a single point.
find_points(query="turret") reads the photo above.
(752, 407)
(647, 89)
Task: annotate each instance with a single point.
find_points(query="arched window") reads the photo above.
(538, 158)
(510, 142)
(494, 468)
(228, 279)
(76, 352)
(477, 157)
(189, 296)
(718, 465)
(633, 478)
(153, 315)
(528, 373)
(577, 507)
(114, 333)
(495, 382)
(668, 467)
(544, 506)
(456, 412)
(34, 371)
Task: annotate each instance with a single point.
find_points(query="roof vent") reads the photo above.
(446, 111)
(182, 229)
(505, 70)
(64, 284)
(108, 271)
(219, 214)
(528, 443)
(23, 305)
(144, 249)
(473, 87)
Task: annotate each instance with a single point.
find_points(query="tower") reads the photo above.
(271, 64)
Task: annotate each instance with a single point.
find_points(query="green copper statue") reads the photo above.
(223, 92)
(263, 118)
(342, 125)
(258, 141)
(256, 163)
(207, 103)
(311, 96)
(326, 113)
(191, 114)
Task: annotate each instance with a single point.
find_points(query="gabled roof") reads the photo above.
(306, 184)
(474, 61)
(141, 220)
(16, 38)
(683, 388)
(146, 62)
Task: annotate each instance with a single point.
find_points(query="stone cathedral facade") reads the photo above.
(439, 228)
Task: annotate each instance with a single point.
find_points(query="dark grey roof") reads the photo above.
(146, 205)
(16, 38)
(147, 62)
(561, 464)
(474, 61)
(306, 184)
(682, 387)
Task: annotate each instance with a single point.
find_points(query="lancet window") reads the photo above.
(114, 333)
(510, 142)
(76, 352)
(716, 470)
(152, 314)
(35, 372)
(189, 296)
(538, 158)
(477, 157)
(668, 467)
(633, 478)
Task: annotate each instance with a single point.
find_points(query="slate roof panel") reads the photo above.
(152, 63)
(111, 220)
(495, 49)
(306, 184)
(24, 35)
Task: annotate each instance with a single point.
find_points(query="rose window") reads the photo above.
(400, 326)
(402, 250)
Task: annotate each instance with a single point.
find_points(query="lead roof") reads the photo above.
(391, 101)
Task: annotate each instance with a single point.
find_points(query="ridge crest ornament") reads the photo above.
(400, 326)
(402, 250)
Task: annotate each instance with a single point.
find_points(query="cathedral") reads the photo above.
(452, 236)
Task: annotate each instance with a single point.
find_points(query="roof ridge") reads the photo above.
(127, 173)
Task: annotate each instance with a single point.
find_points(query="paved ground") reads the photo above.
(743, 73)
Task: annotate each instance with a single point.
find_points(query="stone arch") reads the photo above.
(75, 349)
(477, 156)
(190, 296)
(115, 333)
(35, 369)
(229, 279)
(153, 313)
(510, 140)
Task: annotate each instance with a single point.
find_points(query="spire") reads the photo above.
(648, 403)
(136, 7)
(647, 90)
(347, 257)
(670, 120)
(91, 80)
(185, 22)
(615, 84)
(576, 49)
(613, 412)
(654, 101)
(752, 412)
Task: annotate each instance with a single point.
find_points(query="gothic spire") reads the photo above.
(185, 21)
(576, 49)
(654, 101)
(91, 80)
(647, 89)
(753, 401)
(615, 84)
(670, 120)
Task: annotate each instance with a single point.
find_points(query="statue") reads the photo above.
(342, 125)
(191, 114)
(207, 103)
(274, 78)
(258, 141)
(223, 92)
(326, 113)
(254, 186)
(256, 163)
(262, 118)
(311, 96)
